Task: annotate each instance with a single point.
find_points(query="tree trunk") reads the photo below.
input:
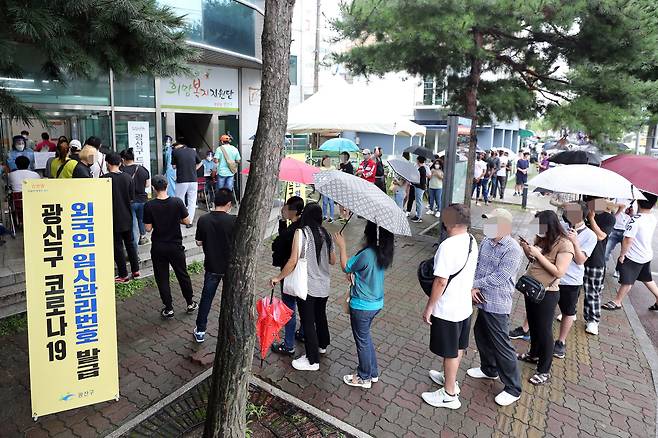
(226, 412)
(471, 111)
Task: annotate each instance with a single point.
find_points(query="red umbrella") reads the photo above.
(641, 170)
(292, 170)
(272, 315)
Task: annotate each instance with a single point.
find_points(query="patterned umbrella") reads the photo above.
(364, 199)
(406, 169)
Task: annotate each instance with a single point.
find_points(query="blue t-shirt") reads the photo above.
(367, 293)
(522, 164)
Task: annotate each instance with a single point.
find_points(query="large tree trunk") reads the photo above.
(471, 111)
(226, 412)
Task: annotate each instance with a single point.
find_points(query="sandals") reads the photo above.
(525, 357)
(654, 307)
(611, 305)
(539, 379)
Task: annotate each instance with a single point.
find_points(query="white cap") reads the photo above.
(499, 213)
(365, 151)
(75, 145)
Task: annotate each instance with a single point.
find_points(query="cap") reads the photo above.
(225, 138)
(75, 145)
(499, 213)
(365, 151)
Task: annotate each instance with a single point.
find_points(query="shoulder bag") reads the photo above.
(296, 283)
(426, 271)
(232, 166)
(531, 287)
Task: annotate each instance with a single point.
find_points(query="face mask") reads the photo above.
(168, 143)
(490, 230)
(20, 147)
(541, 235)
(209, 157)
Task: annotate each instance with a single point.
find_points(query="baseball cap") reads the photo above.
(499, 213)
(75, 145)
(365, 151)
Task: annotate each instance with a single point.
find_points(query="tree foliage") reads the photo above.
(79, 38)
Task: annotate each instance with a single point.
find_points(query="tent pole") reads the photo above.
(393, 145)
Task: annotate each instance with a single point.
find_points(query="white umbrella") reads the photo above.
(584, 179)
(406, 169)
(363, 198)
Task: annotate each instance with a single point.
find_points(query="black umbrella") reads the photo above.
(577, 157)
(419, 150)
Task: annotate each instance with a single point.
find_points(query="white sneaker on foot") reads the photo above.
(302, 364)
(437, 214)
(322, 350)
(477, 373)
(505, 399)
(353, 380)
(592, 328)
(430, 212)
(441, 399)
(439, 378)
(559, 317)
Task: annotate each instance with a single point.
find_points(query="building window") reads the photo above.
(134, 91)
(292, 73)
(433, 92)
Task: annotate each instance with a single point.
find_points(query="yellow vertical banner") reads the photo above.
(69, 275)
(296, 189)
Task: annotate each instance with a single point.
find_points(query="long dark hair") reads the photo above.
(383, 245)
(554, 230)
(312, 218)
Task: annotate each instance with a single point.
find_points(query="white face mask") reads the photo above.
(490, 230)
(168, 143)
(20, 147)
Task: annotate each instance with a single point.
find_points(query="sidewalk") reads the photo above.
(600, 389)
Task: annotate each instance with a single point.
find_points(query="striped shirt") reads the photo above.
(495, 274)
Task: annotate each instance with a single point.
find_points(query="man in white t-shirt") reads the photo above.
(16, 177)
(501, 175)
(621, 219)
(479, 182)
(637, 253)
(450, 305)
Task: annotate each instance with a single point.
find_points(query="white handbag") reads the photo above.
(296, 283)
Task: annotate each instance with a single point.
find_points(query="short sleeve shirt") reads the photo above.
(215, 231)
(537, 271)
(587, 241)
(641, 228)
(222, 167)
(123, 193)
(367, 293)
(455, 304)
(605, 221)
(185, 159)
(139, 175)
(165, 216)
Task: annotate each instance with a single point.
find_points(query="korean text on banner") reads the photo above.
(70, 294)
(293, 188)
(138, 139)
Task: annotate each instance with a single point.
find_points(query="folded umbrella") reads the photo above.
(339, 145)
(584, 179)
(576, 157)
(296, 171)
(272, 316)
(421, 151)
(406, 169)
(641, 170)
(364, 199)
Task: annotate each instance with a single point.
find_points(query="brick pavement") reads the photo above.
(600, 389)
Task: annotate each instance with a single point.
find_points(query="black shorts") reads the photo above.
(447, 337)
(568, 299)
(630, 271)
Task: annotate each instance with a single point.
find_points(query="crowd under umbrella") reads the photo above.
(364, 199)
(339, 145)
(583, 179)
(405, 169)
(641, 170)
(420, 151)
(577, 157)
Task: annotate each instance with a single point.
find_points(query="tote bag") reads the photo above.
(296, 284)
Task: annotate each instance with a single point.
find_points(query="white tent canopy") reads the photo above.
(350, 108)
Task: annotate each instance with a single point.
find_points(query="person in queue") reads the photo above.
(18, 149)
(281, 251)
(86, 160)
(380, 174)
(367, 168)
(65, 167)
(346, 166)
(366, 296)
(549, 256)
(327, 202)
(313, 310)
(142, 181)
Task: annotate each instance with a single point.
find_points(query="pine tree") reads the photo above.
(72, 38)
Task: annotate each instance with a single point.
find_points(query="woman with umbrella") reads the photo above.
(366, 296)
(313, 310)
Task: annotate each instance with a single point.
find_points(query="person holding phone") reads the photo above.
(499, 259)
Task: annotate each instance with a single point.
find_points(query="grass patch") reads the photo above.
(126, 290)
(13, 324)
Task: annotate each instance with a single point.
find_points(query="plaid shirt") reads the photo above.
(495, 275)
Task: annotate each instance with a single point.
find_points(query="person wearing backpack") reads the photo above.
(141, 181)
(65, 167)
(227, 158)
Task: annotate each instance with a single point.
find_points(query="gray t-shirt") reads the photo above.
(587, 240)
(319, 278)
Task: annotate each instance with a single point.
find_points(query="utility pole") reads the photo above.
(316, 60)
(637, 142)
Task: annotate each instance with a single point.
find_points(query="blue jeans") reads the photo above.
(361, 320)
(138, 210)
(327, 207)
(419, 201)
(225, 182)
(614, 239)
(435, 198)
(210, 284)
(399, 197)
(289, 337)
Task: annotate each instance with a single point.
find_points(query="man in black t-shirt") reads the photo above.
(141, 181)
(186, 162)
(380, 177)
(214, 232)
(601, 222)
(419, 189)
(123, 194)
(164, 216)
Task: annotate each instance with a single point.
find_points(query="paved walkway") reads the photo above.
(600, 389)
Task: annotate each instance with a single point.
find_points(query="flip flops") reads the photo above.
(611, 305)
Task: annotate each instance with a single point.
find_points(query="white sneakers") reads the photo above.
(441, 399)
(430, 212)
(353, 380)
(440, 379)
(477, 373)
(559, 317)
(322, 350)
(302, 364)
(505, 399)
(592, 328)
(437, 214)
